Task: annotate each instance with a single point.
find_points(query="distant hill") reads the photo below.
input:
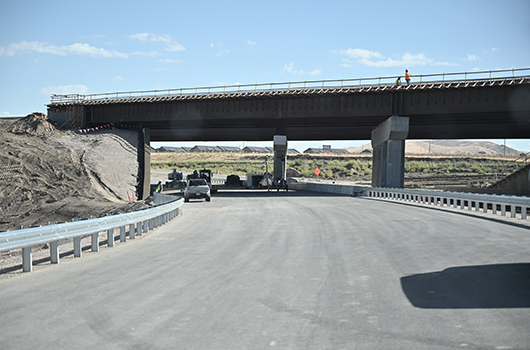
(452, 147)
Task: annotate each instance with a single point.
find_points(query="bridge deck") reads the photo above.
(486, 105)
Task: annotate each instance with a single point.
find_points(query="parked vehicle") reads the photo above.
(197, 189)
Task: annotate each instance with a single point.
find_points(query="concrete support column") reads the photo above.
(280, 157)
(144, 164)
(388, 142)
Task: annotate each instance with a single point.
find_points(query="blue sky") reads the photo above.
(55, 47)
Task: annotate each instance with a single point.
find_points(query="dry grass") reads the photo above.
(332, 166)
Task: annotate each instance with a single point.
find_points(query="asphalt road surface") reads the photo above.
(258, 270)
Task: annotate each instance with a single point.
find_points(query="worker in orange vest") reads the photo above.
(407, 76)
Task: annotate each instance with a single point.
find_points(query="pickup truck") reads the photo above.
(197, 188)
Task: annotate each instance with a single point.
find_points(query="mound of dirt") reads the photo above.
(49, 175)
(34, 124)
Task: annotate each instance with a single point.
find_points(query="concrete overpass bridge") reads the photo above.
(479, 105)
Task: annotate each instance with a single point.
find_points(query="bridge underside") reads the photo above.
(484, 126)
(498, 111)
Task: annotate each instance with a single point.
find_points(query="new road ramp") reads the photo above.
(277, 270)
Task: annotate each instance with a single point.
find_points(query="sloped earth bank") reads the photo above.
(48, 175)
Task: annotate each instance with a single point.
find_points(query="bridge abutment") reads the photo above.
(388, 143)
(280, 157)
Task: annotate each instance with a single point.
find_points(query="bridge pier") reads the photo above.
(280, 157)
(388, 143)
(144, 164)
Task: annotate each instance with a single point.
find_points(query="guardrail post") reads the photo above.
(27, 259)
(523, 212)
(54, 252)
(132, 232)
(110, 238)
(513, 211)
(503, 209)
(77, 247)
(122, 234)
(95, 241)
(139, 228)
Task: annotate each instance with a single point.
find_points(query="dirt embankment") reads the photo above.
(48, 175)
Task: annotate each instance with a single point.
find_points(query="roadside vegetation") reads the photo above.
(332, 167)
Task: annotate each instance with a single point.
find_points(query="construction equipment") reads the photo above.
(207, 175)
(177, 181)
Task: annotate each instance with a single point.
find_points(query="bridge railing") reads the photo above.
(517, 207)
(441, 78)
(133, 223)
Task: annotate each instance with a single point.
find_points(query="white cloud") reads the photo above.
(150, 37)
(139, 36)
(119, 78)
(64, 90)
(360, 54)
(251, 43)
(145, 53)
(171, 45)
(218, 46)
(74, 49)
(376, 59)
(289, 68)
(175, 47)
(472, 58)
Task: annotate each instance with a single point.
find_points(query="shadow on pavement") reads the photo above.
(471, 287)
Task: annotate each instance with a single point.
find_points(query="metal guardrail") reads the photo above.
(492, 204)
(421, 80)
(518, 207)
(139, 222)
